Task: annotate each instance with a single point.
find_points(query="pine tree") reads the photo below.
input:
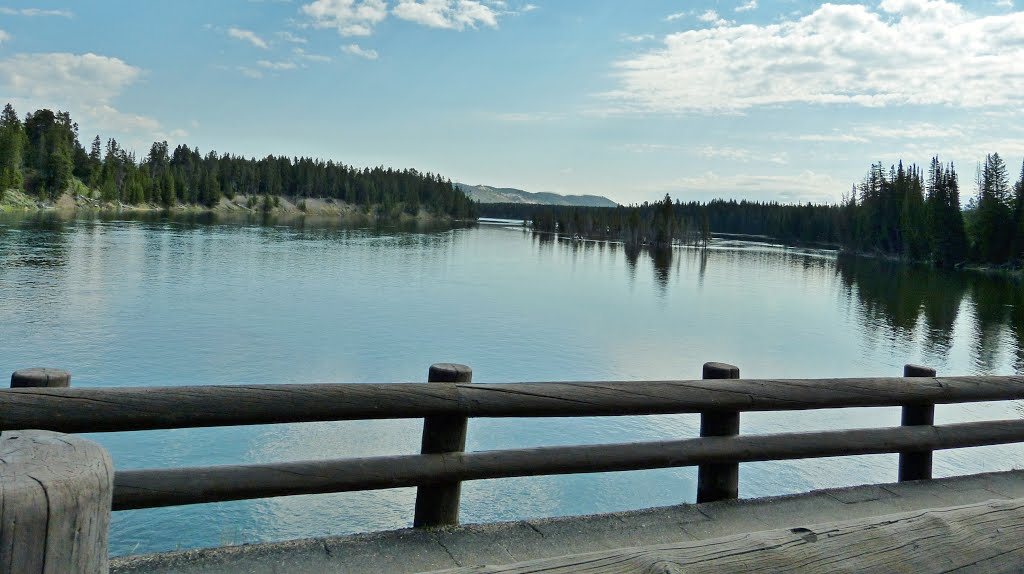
(995, 211)
(12, 145)
(1018, 192)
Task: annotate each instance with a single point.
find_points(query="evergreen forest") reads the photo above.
(901, 212)
(42, 155)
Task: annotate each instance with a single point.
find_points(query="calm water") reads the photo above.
(125, 303)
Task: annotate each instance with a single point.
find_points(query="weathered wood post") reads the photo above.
(54, 504)
(27, 378)
(916, 465)
(438, 505)
(719, 481)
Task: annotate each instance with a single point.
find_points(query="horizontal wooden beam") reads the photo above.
(981, 538)
(76, 410)
(169, 487)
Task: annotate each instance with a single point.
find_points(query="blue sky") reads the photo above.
(759, 99)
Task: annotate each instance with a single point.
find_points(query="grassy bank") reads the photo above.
(16, 201)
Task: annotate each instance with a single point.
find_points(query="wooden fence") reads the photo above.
(451, 399)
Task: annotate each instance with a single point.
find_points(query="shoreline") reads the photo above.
(18, 202)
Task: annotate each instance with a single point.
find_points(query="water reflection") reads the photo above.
(193, 299)
(907, 303)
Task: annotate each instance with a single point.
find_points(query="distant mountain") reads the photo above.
(488, 194)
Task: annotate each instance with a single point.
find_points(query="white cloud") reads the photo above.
(348, 17)
(84, 84)
(448, 14)
(4, 37)
(712, 17)
(906, 52)
(276, 65)
(676, 16)
(248, 36)
(357, 50)
(638, 38)
(528, 8)
(31, 12)
(1004, 4)
(747, 6)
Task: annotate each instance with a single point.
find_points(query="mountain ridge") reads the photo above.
(490, 194)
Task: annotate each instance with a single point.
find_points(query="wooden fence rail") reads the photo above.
(147, 408)
(452, 398)
(169, 487)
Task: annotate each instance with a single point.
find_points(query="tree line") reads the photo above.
(42, 155)
(901, 212)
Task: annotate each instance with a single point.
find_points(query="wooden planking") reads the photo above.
(168, 487)
(985, 538)
(55, 497)
(142, 408)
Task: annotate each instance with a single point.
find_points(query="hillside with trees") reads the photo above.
(901, 212)
(43, 156)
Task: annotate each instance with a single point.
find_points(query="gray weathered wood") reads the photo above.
(55, 496)
(168, 487)
(984, 538)
(916, 465)
(144, 408)
(438, 504)
(719, 481)
(40, 378)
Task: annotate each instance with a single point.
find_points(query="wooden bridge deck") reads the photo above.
(407, 551)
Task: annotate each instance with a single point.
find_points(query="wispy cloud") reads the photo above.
(357, 50)
(864, 134)
(248, 36)
(676, 16)
(746, 7)
(798, 187)
(289, 37)
(31, 12)
(637, 38)
(304, 55)
(250, 72)
(277, 65)
(4, 37)
(742, 154)
(904, 52)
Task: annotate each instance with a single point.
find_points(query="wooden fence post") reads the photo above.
(719, 481)
(54, 504)
(916, 465)
(26, 378)
(438, 505)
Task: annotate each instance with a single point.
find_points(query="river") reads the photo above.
(193, 300)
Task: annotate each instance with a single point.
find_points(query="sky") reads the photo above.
(771, 100)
